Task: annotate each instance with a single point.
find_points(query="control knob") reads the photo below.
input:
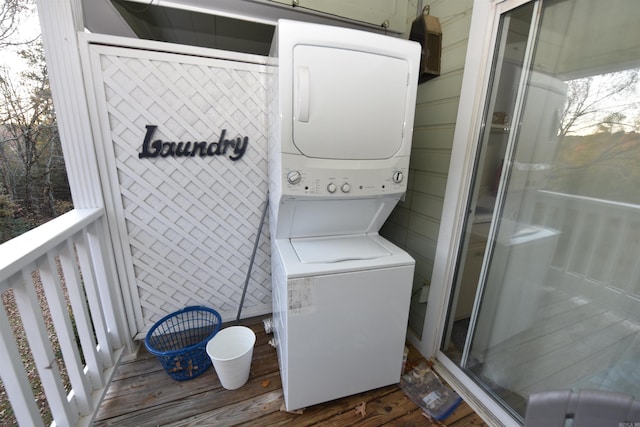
(331, 188)
(398, 177)
(294, 177)
(345, 187)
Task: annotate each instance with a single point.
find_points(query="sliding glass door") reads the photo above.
(546, 292)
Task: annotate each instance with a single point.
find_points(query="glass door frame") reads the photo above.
(481, 47)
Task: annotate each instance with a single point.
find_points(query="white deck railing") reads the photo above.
(67, 255)
(597, 252)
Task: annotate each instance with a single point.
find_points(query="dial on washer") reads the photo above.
(294, 177)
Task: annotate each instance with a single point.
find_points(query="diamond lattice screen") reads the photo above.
(191, 221)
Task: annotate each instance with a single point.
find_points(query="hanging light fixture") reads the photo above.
(426, 30)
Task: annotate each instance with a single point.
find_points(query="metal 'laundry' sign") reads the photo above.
(235, 148)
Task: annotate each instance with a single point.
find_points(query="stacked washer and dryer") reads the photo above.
(341, 108)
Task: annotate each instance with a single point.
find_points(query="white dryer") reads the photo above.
(340, 126)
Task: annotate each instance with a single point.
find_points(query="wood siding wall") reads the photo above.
(414, 223)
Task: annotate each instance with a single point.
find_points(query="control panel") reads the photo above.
(333, 182)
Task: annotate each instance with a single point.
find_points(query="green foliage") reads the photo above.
(13, 222)
(32, 171)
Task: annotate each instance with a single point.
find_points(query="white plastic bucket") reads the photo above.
(231, 351)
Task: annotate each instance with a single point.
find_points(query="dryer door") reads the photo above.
(348, 104)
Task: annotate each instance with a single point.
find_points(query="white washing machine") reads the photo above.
(341, 106)
(340, 323)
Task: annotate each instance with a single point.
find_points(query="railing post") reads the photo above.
(63, 242)
(12, 372)
(111, 295)
(96, 307)
(64, 330)
(27, 301)
(78, 301)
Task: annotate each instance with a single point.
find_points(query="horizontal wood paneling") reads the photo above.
(448, 86)
(415, 224)
(455, 18)
(430, 183)
(455, 55)
(422, 245)
(430, 160)
(440, 137)
(423, 225)
(427, 205)
(437, 113)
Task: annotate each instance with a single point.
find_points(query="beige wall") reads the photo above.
(415, 222)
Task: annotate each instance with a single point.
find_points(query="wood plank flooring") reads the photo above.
(574, 343)
(142, 394)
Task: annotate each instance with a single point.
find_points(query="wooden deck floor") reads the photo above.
(574, 343)
(142, 394)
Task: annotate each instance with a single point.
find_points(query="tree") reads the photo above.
(30, 154)
(599, 143)
(599, 103)
(10, 13)
(33, 182)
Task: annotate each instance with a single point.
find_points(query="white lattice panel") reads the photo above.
(190, 222)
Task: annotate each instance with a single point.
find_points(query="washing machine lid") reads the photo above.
(337, 248)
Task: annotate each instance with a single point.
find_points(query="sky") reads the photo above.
(28, 29)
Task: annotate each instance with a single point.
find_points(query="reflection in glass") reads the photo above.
(547, 293)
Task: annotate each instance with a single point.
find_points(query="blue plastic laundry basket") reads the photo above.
(179, 341)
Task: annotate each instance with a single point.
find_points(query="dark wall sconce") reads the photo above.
(426, 30)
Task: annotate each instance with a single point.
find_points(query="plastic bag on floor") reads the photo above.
(426, 390)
